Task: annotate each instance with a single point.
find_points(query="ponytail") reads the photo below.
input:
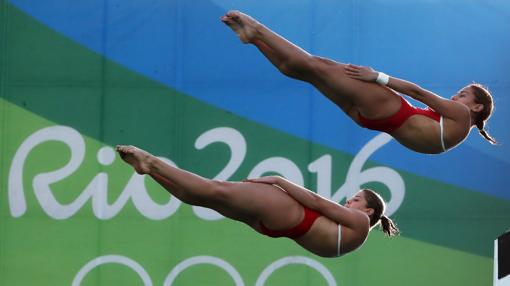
(484, 97)
(376, 202)
(487, 136)
(480, 125)
(389, 227)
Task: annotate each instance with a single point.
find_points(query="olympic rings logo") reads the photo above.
(197, 260)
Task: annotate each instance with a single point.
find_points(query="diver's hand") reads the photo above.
(361, 73)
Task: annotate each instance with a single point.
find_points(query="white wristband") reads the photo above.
(382, 78)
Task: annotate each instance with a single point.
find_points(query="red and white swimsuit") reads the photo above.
(301, 229)
(393, 122)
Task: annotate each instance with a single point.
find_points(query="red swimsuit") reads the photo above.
(393, 122)
(298, 230)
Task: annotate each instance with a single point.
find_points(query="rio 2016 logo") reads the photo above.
(136, 190)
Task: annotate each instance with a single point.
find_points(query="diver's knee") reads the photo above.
(300, 68)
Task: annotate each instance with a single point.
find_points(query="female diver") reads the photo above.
(273, 206)
(370, 98)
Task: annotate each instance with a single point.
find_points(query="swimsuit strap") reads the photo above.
(339, 240)
(442, 133)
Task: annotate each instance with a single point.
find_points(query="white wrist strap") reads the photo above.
(382, 78)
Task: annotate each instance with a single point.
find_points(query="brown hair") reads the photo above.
(484, 97)
(376, 202)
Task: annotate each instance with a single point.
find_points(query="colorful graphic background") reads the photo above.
(79, 77)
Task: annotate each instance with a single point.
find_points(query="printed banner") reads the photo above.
(78, 78)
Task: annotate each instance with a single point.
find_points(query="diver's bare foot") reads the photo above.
(138, 158)
(243, 25)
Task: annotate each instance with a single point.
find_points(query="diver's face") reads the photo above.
(466, 96)
(359, 202)
(356, 202)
